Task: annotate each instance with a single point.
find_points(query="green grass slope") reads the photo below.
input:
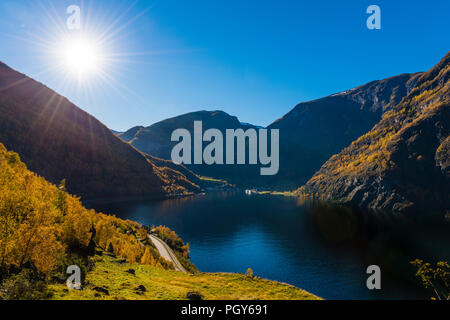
(108, 273)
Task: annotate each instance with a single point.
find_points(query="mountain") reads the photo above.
(155, 140)
(309, 134)
(129, 134)
(58, 140)
(402, 164)
(313, 131)
(186, 174)
(116, 132)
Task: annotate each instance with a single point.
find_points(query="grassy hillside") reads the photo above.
(108, 273)
(59, 141)
(43, 230)
(402, 164)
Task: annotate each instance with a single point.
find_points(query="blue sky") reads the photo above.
(253, 59)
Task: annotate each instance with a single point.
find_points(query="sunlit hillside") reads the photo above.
(402, 164)
(43, 230)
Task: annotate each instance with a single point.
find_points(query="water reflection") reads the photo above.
(320, 247)
(387, 240)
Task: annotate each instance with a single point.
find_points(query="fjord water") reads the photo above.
(319, 248)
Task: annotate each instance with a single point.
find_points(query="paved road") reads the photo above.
(166, 252)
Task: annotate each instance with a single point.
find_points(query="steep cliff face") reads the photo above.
(59, 141)
(402, 164)
(313, 131)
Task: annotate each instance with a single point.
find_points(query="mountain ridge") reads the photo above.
(155, 140)
(402, 164)
(309, 134)
(319, 128)
(60, 141)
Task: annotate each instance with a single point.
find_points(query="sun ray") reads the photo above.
(132, 20)
(116, 21)
(58, 26)
(86, 63)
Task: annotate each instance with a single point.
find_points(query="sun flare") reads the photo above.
(81, 56)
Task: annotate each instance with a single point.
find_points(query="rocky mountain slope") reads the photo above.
(313, 131)
(402, 164)
(309, 134)
(59, 141)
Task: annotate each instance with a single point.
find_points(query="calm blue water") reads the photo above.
(323, 250)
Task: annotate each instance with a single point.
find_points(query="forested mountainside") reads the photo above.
(313, 131)
(44, 230)
(59, 141)
(42, 226)
(403, 163)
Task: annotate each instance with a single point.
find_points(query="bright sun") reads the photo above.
(81, 56)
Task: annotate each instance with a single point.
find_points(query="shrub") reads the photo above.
(435, 278)
(24, 286)
(70, 260)
(194, 295)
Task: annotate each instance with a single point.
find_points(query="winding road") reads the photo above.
(166, 252)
